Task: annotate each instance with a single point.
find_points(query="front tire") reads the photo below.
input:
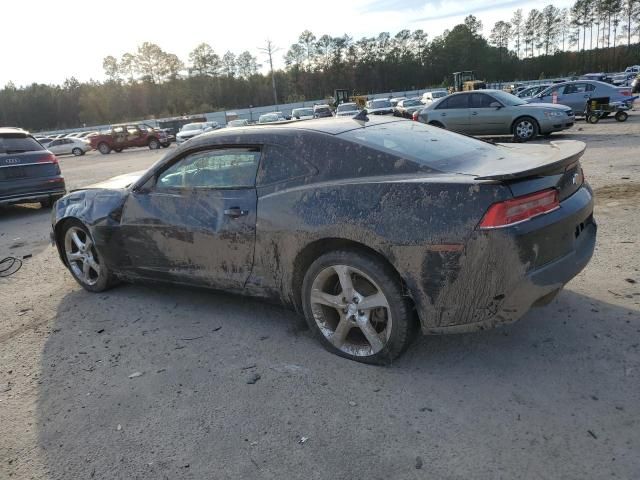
(154, 144)
(355, 305)
(83, 260)
(525, 129)
(77, 152)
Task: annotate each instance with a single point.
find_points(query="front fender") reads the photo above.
(93, 207)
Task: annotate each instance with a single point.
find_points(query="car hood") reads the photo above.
(552, 106)
(121, 181)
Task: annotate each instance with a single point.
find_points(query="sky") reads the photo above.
(46, 44)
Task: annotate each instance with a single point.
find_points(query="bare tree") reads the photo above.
(517, 28)
(270, 49)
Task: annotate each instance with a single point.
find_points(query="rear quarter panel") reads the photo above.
(419, 225)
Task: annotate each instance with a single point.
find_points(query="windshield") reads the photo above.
(236, 123)
(193, 126)
(302, 112)
(380, 103)
(438, 94)
(429, 146)
(507, 98)
(347, 107)
(411, 103)
(18, 144)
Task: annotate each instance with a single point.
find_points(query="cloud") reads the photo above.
(480, 7)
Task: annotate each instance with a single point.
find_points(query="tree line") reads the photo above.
(592, 35)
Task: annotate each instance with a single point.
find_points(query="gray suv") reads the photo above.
(494, 112)
(28, 171)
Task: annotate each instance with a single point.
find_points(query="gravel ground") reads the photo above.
(155, 382)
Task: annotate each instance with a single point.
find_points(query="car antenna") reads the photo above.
(361, 116)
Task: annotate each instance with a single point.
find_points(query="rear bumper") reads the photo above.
(500, 274)
(33, 197)
(537, 288)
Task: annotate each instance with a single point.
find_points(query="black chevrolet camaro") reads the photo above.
(370, 229)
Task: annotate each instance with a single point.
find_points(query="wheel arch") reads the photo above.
(58, 231)
(315, 249)
(517, 119)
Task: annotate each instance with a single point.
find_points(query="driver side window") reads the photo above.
(226, 168)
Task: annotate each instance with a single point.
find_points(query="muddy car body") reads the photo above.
(412, 214)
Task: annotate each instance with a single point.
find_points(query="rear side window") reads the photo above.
(281, 164)
(427, 146)
(458, 101)
(10, 144)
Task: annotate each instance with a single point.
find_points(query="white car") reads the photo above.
(632, 69)
(430, 97)
(191, 130)
(271, 117)
(347, 110)
(302, 113)
(69, 145)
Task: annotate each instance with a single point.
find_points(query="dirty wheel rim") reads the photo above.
(524, 129)
(77, 152)
(351, 310)
(81, 256)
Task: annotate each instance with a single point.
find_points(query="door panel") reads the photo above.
(453, 113)
(197, 224)
(193, 236)
(486, 120)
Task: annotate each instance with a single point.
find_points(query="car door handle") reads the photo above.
(474, 113)
(235, 212)
(443, 114)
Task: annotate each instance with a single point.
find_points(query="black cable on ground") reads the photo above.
(9, 266)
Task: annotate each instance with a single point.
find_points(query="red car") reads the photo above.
(127, 136)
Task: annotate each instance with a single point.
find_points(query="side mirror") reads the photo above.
(495, 105)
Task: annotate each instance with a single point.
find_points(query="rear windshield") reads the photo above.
(429, 146)
(347, 107)
(380, 103)
(10, 144)
(302, 112)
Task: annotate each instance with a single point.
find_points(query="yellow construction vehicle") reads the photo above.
(466, 81)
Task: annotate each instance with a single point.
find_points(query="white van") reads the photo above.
(430, 97)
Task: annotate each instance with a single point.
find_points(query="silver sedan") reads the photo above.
(494, 112)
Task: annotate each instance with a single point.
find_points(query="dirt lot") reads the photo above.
(556, 395)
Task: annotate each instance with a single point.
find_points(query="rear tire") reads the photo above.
(83, 259)
(593, 118)
(621, 116)
(104, 149)
(356, 307)
(118, 150)
(524, 129)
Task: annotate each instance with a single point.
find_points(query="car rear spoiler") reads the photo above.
(537, 163)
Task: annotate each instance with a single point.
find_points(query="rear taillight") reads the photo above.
(520, 209)
(415, 116)
(48, 158)
(625, 93)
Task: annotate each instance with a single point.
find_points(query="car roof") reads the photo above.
(13, 131)
(329, 126)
